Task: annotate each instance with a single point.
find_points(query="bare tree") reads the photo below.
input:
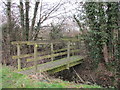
(42, 12)
(9, 16)
(22, 16)
(27, 19)
(34, 18)
(44, 17)
(6, 41)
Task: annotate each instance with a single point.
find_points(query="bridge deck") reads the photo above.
(53, 64)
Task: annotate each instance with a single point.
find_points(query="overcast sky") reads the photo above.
(69, 7)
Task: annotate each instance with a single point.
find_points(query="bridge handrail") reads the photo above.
(32, 54)
(34, 42)
(54, 55)
(43, 41)
(27, 55)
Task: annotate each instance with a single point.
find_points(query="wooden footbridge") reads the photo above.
(68, 56)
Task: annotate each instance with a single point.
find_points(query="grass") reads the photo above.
(12, 79)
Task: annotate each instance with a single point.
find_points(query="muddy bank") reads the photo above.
(83, 73)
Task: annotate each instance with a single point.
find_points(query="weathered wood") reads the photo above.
(18, 53)
(52, 65)
(59, 50)
(20, 42)
(43, 41)
(49, 56)
(68, 54)
(29, 55)
(34, 42)
(32, 54)
(45, 52)
(35, 56)
(63, 49)
(52, 71)
(56, 65)
(74, 39)
(22, 56)
(52, 52)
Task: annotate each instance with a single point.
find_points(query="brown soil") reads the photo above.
(99, 76)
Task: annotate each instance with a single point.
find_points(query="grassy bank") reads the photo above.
(12, 79)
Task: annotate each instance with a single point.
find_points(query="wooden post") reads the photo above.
(35, 56)
(68, 54)
(79, 46)
(18, 54)
(52, 51)
(73, 45)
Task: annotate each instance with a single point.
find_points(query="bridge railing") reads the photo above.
(54, 53)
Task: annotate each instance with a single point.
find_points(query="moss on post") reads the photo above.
(35, 56)
(18, 54)
(52, 52)
(68, 53)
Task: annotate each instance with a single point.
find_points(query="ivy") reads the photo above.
(102, 19)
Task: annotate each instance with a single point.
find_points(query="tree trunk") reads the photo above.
(7, 45)
(22, 18)
(105, 53)
(27, 19)
(34, 19)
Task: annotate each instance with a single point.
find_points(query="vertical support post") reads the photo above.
(52, 51)
(73, 48)
(35, 56)
(18, 54)
(79, 46)
(68, 54)
(74, 53)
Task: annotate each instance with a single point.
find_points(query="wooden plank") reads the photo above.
(58, 69)
(18, 53)
(32, 54)
(29, 55)
(49, 56)
(19, 42)
(35, 57)
(51, 65)
(28, 42)
(23, 56)
(35, 42)
(42, 41)
(68, 54)
(76, 50)
(52, 52)
(65, 39)
(63, 49)
(57, 63)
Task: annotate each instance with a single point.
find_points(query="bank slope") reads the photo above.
(11, 79)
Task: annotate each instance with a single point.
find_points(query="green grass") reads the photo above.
(12, 79)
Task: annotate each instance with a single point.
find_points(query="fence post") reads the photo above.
(18, 54)
(35, 56)
(68, 53)
(79, 44)
(73, 48)
(52, 51)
